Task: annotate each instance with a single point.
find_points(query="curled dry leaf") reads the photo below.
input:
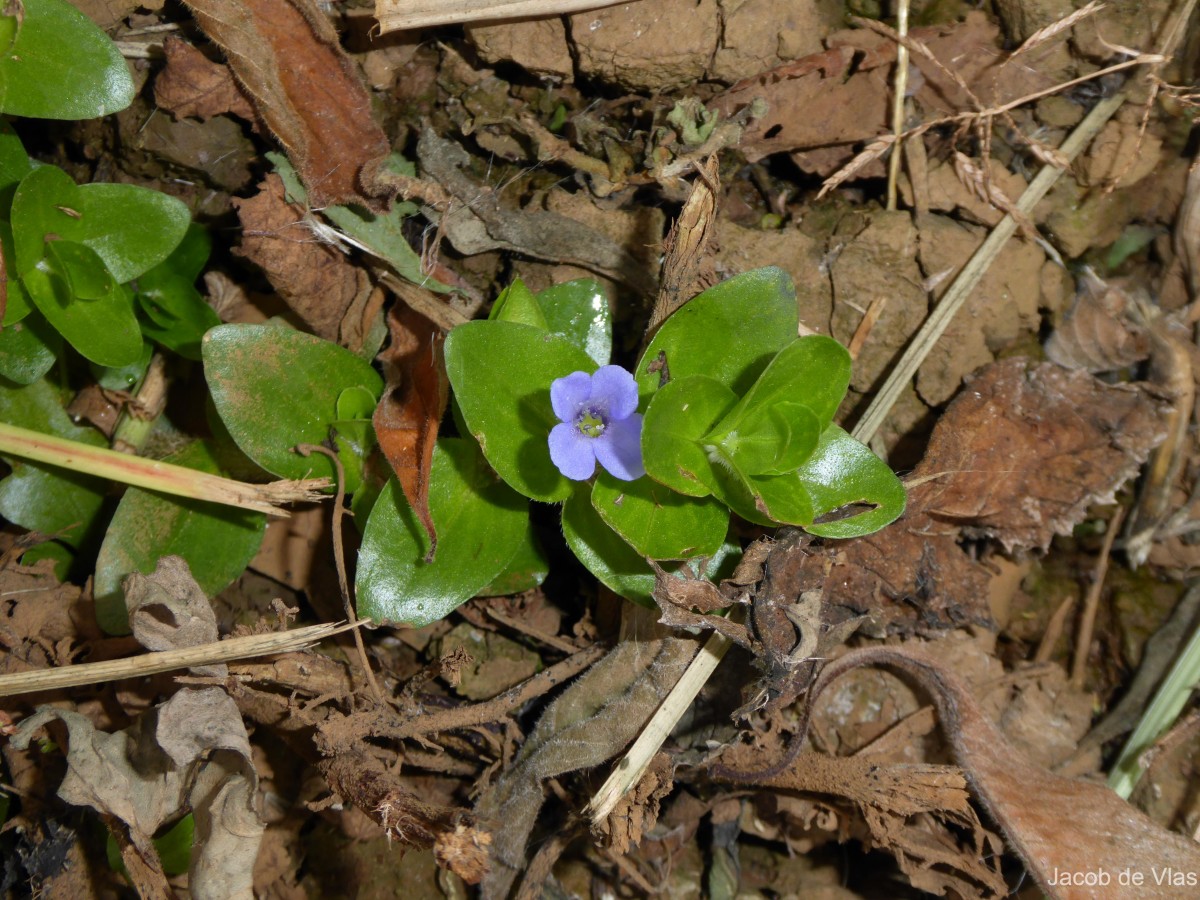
(1104, 331)
(1056, 825)
(407, 417)
(166, 763)
(333, 297)
(191, 84)
(288, 57)
(1024, 451)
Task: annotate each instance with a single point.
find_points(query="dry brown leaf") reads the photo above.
(191, 84)
(1059, 827)
(169, 761)
(407, 417)
(288, 57)
(1104, 331)
(1023, 451)
(329, 294)
(597, 716)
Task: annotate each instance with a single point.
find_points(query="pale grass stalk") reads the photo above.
(396, 14)
(154, 475)
(229, 650)
(632, 767)
(899, 89)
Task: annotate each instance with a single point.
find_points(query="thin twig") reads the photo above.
(339, 559)
(974, 270)
(1087, 622)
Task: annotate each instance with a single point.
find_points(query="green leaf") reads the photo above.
(41, 498)
(501, 374)
(353, 439)
(576, 310)
(275, 388)
(679, 415)
(81, 267)
(526, 570)
(767, 440)
(217, 541)
(842, 472)
(131, 228)
(516, 303)
(782, 498)
(356, 403)
(603, 552)
(480, 522)
(63, 557)
(28, 349)
(60, 65)
(579, 311)
(14, 163)
(729, 333)
(173, 312)
(766, 432)
(381, 234)
(104, 330)
(658, 522)
(124, 378)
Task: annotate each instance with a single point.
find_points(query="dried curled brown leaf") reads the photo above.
(191, 84)
(406, 419)
(334, 298)
(289, 59)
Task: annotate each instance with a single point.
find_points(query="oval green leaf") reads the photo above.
(501, 374)
(60, 65)
(28, 349)
(479, 522)
(173, 312)
(275, 388)
(217, 541)
(603, 552)
(842, 472)
(679, 415)
(579, 311)
(42, 498)
(526, 570)
(767, 440)
(658, 522)
(729, 333)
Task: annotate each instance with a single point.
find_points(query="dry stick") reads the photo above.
(632, 767)
(397, 14)
(154, 475)
(166, 660)
(339, 559)
(899, 89)
(1087, 623)
(974, 270)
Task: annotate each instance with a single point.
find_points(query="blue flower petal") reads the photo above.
(616, 389)
(619, 449)
(572, 452)
(568, 394)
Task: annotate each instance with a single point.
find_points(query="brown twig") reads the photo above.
(1087, 622)
(339, 559)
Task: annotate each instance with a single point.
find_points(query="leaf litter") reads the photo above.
(1012, 461)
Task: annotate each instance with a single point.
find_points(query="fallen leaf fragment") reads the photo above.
(191, 84)
(1024, 450)
(288, 57)
(330, 294)
(411, 408)
(1061, 828)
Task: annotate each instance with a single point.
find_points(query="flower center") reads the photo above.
(590, 424)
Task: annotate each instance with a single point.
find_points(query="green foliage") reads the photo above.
(56, 64)
(738, 416)
(275, 388)
(480, 525)
(171, 310)
(218, 542)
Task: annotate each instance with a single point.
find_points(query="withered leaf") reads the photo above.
(1104, 331)
(1025, 450)
(191, 84)
(1057, 825)
(287, 56)
(331, 296)
(407, 417)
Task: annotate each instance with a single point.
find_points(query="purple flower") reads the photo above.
(598, 423)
